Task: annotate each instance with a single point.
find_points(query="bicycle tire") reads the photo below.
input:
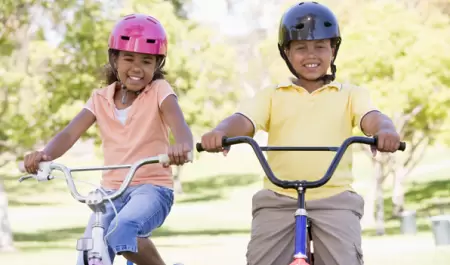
(310, 241)
(85, 257)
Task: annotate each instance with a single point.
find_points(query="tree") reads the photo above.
(408, 75)
(23, 59)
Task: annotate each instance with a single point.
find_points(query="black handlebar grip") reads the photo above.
(199, 147)
(402, 146)
(224, 141)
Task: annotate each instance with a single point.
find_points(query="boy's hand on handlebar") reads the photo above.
(32, 160)
(212, 142)
(179, 154)
(388, 141)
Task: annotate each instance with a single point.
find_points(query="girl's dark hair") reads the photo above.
(110, 72)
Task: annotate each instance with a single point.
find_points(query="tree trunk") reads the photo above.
(6, 239)
(178, 187)
(368, 219)
(398, 194)
(379, 212)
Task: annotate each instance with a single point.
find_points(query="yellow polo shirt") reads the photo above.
(294, 117)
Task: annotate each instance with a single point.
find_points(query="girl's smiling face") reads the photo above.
(135, 70)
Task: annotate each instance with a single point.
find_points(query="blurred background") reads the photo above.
(51, 55)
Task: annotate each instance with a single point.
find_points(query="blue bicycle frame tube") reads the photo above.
(300, 235)
(301, 226)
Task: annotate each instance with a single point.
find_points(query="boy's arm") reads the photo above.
(236, 125)
(253, 114)
(380, 125)
(373, 122)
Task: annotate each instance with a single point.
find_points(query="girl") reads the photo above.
(133, 113)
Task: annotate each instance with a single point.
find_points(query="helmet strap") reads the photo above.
(124, 93)
(283, 55)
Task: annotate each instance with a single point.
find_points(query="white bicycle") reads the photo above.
(94, 248)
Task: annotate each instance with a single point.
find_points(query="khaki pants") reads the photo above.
(335, 228)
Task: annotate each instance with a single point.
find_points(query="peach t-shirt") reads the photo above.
(143, 134)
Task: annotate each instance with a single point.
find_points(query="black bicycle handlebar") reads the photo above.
(299, 183)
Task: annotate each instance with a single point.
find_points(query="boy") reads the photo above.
(311, 110)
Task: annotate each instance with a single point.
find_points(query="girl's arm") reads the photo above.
(182, 133)
(65, 139)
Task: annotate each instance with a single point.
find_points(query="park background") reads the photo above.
(220, 51)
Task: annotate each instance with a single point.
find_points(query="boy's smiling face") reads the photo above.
(311, 58)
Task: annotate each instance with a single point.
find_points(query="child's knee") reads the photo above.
(123, 226)
(122, 236)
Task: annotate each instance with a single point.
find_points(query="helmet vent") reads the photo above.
(327, 24)
(300, 26)
(151, 20)
(151, 41)
(301, 4)
(125, 37)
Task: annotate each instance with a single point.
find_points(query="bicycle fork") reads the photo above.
(301, 231)
(93, 248)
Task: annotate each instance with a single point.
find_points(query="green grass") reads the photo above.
(210, 222)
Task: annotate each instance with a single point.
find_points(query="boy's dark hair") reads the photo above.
(111, 73)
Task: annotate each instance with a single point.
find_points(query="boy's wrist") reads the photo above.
(220, 130)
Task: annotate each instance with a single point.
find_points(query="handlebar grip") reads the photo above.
(44, 165)
(164, 158)
(199, 147)
(402, 146)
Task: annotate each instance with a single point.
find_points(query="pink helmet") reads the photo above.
(139, 33)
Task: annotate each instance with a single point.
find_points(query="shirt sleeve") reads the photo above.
(257, 109)
(164, 90)
(90, 104)
(362, 104)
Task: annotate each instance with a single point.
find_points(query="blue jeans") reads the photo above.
(141, 209)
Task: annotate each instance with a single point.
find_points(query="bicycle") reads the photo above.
(94, 248)
(303, 254)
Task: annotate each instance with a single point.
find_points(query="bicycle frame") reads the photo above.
(300, 248)
(94, 250)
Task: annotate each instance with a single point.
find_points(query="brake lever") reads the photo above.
(25, 178)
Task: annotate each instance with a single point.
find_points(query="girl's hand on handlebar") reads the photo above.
(32, 160)
(178, 154)
(212, 142)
